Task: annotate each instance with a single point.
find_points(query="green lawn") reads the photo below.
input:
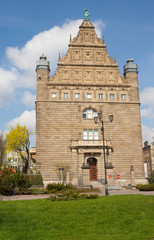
(111, 217)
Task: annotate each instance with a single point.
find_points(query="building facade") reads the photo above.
(87, 81)
(148, 153)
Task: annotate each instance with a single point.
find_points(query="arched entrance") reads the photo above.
(92, 168)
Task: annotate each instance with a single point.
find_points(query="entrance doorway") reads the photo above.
(92, 168)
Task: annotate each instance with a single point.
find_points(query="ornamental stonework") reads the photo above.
(86, 82)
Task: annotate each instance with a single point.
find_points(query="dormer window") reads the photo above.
(89, 113)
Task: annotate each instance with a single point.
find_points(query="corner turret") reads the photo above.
(130, 67)
(43, 64)
(42, 70)
(131, 76)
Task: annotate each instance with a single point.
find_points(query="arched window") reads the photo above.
(89, 113)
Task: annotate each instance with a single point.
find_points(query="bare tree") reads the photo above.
(2, 149)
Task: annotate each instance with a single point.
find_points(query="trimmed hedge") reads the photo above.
(147, 187)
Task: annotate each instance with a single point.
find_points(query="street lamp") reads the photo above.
(102, 130)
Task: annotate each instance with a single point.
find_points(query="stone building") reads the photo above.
(87, 81)
(148, 153)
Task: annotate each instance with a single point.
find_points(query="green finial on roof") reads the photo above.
(86, 14)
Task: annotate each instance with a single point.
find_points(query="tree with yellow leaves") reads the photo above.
(17, 140)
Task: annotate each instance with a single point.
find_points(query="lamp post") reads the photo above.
(102, 130)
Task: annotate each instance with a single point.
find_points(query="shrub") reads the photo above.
(36, 180)
(7, 185)
(11, 184)
(5, 171)
(22, 181)
(69, 196)
(151, 179)
(147, 187)
(55, 187)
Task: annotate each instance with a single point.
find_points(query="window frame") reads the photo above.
(77, 95)
(100, 94)
(112, 94)
(89, 113)
(89, 95)
(90, 134)
(123, 94)
(53, 95)
(66, 95)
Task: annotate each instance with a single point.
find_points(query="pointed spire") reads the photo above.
(59, 57)
(103, 41)
(70, 38)
(115, 61)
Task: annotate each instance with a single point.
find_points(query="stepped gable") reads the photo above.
(87, 61)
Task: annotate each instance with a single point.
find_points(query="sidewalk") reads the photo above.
(45, 196)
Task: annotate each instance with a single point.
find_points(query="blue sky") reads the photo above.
(30, 28)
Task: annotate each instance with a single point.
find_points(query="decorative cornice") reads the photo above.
(88, 85)
(85, 65)
(85, 45)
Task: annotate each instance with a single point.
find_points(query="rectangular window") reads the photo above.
(65, 95)
(89, 95)
(84, 134)
(100, 96)
(95, 134)
(54, 95)
(123, 96)
(77, 95)
(112, 96)
(89, 112)
(90, 134)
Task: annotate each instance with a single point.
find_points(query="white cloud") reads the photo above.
(147, 96)
(28, 99)
(23, 61)
(27, 118)
(7, 81)
(147, 112)
(147, 99)
(147, 134)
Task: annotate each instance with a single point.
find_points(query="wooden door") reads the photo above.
(93, 170)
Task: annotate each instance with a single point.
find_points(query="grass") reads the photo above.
(128, 217)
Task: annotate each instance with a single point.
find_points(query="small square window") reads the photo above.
(77, 95)
(89, 95)
(112, 96)
(54, 95)
(100, 96)
(123, 96)
(65, 95)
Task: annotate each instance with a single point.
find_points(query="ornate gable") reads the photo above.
(87, 60)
